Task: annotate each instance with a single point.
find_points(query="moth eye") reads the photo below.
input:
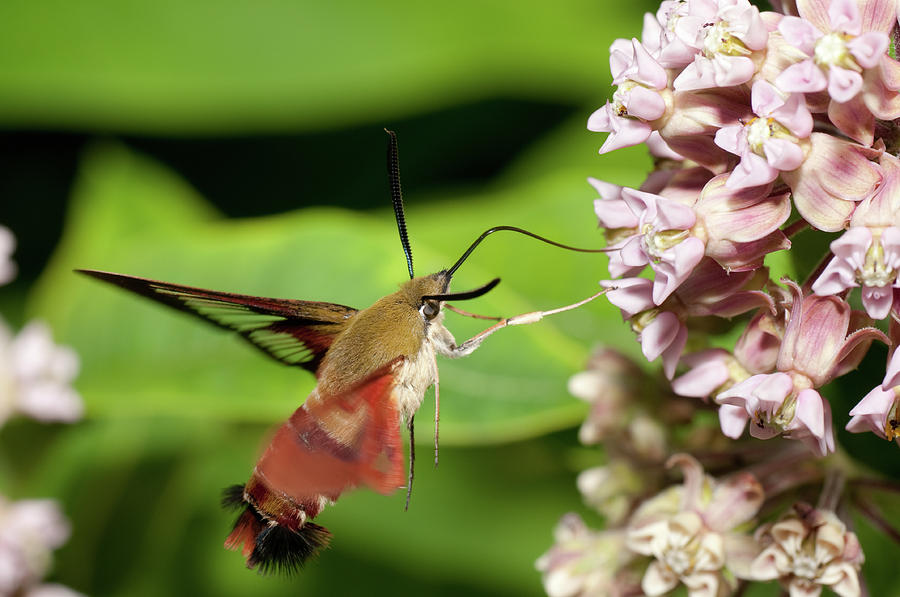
(429, 310)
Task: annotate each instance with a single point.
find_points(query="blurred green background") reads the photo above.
(239, 146)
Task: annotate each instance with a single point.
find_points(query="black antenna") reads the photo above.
(393, 159)
(490, 231)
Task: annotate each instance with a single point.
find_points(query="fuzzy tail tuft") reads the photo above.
(267, 546)
(281, 550)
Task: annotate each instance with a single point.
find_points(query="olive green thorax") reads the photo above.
(393, 326)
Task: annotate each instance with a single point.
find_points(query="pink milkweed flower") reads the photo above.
(868, 254)
(845, 53)
(709, 372)
(769, 143)
(777, 408)
(724, 34)
(740, 227)
(693, 118)
(757, 348)
(710, 290)
(661, 333)
(835, 176)
(737, 228)
(816, 349)
(660, 237)
(689, 530)
(713, 371)
(643, 103)
(868, 258)
(879, 410)
(618, 220)
(882, 207)
(809, 549)
(639, 99)
(824, 338)
(659, 36)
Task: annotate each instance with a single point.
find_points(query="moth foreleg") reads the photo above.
(467, 314)
(469, 346)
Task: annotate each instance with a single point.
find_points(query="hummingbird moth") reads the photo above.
(372, 368)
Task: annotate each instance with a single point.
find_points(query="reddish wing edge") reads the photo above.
(331, 444)
(294, 332)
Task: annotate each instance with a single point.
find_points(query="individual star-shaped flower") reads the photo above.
(769, 143)
(868, 258)
(807, 550)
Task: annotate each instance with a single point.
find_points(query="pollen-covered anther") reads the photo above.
(620, 98)
(875, 271)
(782, 417)
(656, 243)
(719, 40)
(831, 50)
(892, 421)
(640, 321)
(760, 130)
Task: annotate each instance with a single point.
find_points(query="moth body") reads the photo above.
(372, 379)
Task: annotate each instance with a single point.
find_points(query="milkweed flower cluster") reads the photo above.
(700, 534)
(716, 531)
(36, 379)
(752, 116)
(773, 133)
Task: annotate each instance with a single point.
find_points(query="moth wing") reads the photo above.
(334, 443)
(294, 332)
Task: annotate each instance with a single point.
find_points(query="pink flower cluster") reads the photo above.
(699, 534)
(752, 116)
(705, 533)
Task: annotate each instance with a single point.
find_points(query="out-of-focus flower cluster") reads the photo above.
(752, 116)
(700, 534)
(35, 381)
(705, 533)
(36, 376)
(29, 532)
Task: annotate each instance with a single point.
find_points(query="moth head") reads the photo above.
(428, 293)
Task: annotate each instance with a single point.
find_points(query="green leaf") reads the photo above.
(129, 215)
(235, 66)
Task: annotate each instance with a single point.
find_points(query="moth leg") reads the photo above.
(437, 412)
(475, 341)
(412, 460)
(473, 315)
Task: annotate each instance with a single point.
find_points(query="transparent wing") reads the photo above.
(294, 332)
